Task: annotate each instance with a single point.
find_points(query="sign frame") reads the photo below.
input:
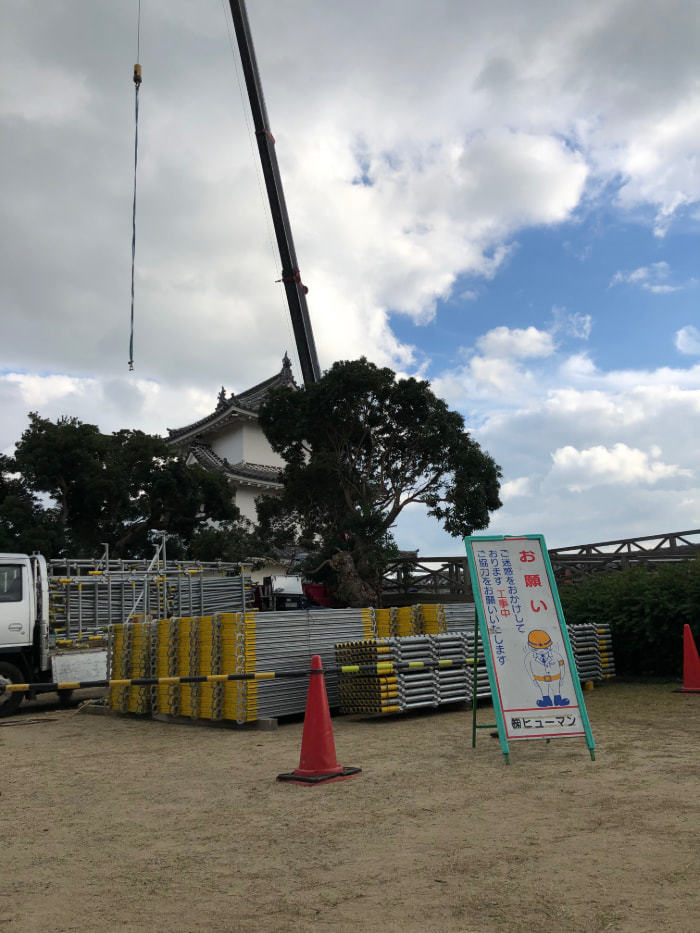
(482, 630)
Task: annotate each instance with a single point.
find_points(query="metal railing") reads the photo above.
(446, 579)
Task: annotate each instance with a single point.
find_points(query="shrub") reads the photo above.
(646, 608)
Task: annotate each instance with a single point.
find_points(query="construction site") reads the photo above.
(122, 822)
(188, 747)
(172, 785)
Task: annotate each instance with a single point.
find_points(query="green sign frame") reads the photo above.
(481, 633)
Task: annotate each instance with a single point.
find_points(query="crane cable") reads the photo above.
(137, 85)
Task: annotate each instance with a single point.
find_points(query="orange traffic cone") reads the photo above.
(691, 663)
(317, 763)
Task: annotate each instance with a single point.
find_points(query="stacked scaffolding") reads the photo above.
(129, 656)
(584, 643)
(86, 604)
(417, 686)
(592, 647)
(459, 617)
(184, 647)
(384, 622)
(453, 683)
(229, 643)
(483, 687)
(368, 692)
(607, 661)
(411, 673)
(409, 621)
(434, 619)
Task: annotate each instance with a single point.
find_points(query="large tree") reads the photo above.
(360, 445)
(25, 524)
(117, 488)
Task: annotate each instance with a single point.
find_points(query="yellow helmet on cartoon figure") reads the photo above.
(539, 639)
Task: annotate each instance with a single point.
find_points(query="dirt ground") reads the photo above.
(116, 823)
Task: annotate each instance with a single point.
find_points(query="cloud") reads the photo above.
(464, 131)
(688, 340)
(515, 343)
(494, 369)
(111, 404)
(515, 487)
(620, 464)
(575, 324)
(577, 367)
(517, 114)
(654, 170)
(651, 278)
(588, 453)
(510, 179)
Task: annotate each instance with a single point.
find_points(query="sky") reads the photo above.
(500, 197)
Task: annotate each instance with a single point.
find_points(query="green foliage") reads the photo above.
(360, 446)
(24, 525)
(236, 542)
(116, 488)
(646, 610)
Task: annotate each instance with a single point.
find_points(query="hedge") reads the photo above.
(646, 609)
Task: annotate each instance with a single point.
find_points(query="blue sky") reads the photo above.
(503, 198)
(573, 267)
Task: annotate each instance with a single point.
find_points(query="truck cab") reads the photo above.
(24, 625)
(16, 602)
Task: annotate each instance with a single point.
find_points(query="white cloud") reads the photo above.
(515, 487)
(664, 289)
(515, 343)
(605, 453)
(50, 93)
(37, 391)
(688, 340)
(509, 179)
(620, 464)
(111, 404)
(577, 367)
(651, 278)
(657, 167)
(575, 324)
(516, 113)
(464, 129)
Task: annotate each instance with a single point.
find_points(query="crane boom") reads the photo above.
(296, 291)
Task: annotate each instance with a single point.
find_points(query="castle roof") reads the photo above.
(241, 407)
(244, 473)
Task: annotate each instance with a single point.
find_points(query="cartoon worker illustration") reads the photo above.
(546, 667)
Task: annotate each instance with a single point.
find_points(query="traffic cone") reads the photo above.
(317, 762)
(691, 663)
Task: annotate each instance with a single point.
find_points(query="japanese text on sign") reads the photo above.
(532, 671)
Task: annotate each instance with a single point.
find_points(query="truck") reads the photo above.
(30, 651)
(56, 615)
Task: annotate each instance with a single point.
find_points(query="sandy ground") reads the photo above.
(116, 823)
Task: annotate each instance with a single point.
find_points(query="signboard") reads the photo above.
(534, 683)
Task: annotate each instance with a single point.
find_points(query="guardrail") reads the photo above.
(447, 578)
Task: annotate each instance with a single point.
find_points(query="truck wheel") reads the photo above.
(10, 702)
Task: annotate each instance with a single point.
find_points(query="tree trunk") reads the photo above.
(349, 587)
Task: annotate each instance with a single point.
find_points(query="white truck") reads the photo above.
(29, 649)
(56, 616)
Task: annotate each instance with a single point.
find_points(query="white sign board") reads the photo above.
(532, 664)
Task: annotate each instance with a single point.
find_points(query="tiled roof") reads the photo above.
(257, 472)
(231, 408)
(224, 415)
(253, 398)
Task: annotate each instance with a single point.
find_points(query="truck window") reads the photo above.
(11, 583)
